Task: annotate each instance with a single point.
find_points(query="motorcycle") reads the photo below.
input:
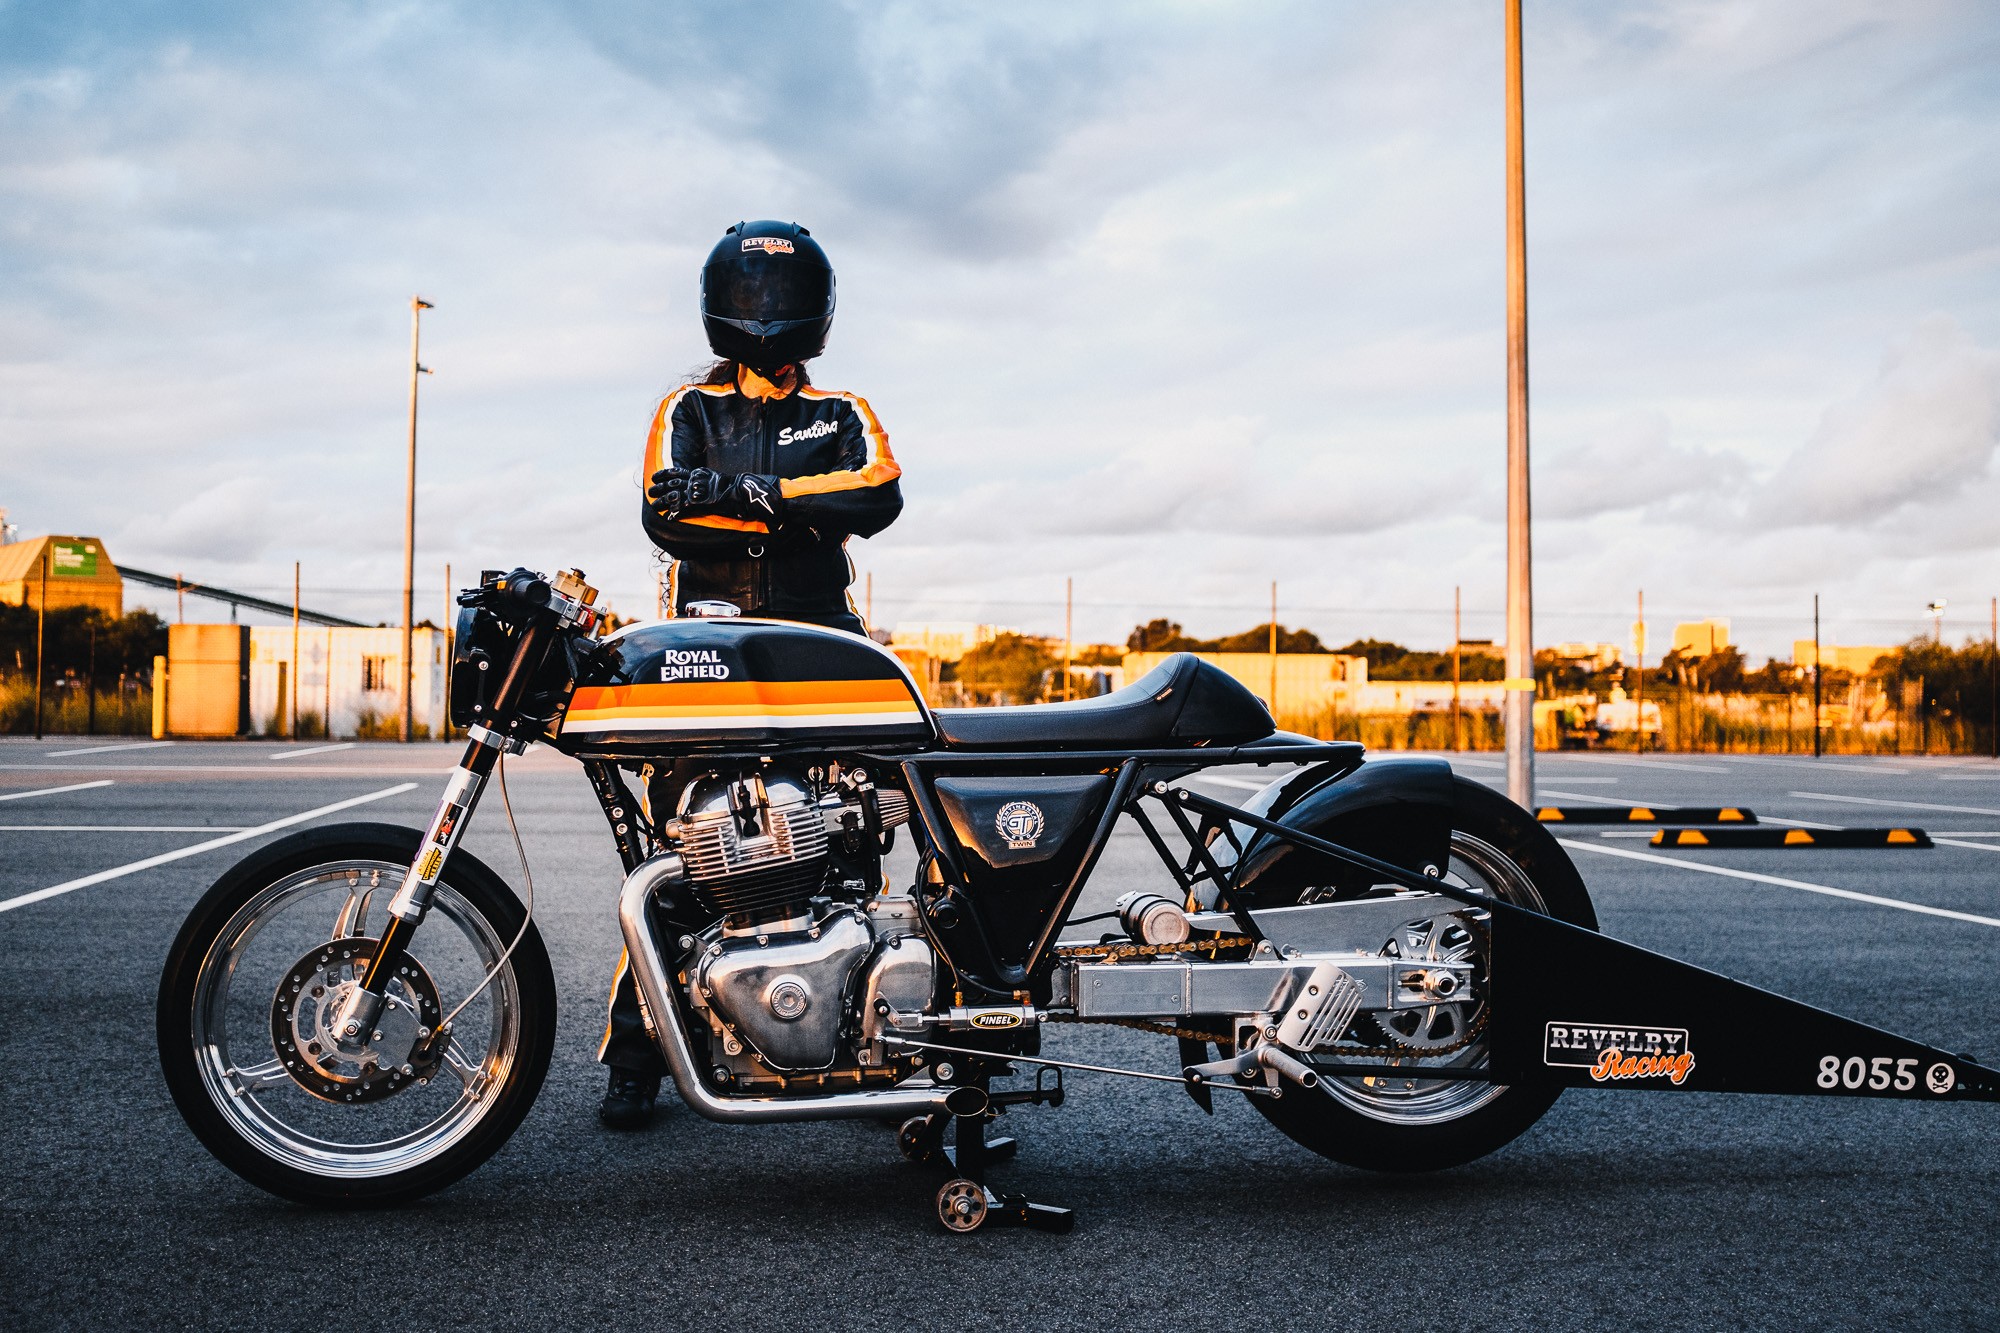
(1397, 967)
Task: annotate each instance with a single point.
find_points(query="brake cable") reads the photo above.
(528, 877)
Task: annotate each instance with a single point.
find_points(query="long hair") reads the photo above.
(724, 372)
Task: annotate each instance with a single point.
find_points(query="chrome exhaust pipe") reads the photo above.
(656, 985)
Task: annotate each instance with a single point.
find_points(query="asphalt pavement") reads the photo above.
(1653, 1210)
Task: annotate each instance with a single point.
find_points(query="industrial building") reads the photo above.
(75, 571)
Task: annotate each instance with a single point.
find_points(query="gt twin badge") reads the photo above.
(1020, 824)
(1613, 1053)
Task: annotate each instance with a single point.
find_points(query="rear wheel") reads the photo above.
(1411, 1122)
(263, 963)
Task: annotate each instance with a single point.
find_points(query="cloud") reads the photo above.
(1921, 433)
(1173, 299)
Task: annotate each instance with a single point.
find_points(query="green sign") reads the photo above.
(77, 560)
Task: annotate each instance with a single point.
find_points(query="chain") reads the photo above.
(1111, 953)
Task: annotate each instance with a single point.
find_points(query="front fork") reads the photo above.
(363, 1005)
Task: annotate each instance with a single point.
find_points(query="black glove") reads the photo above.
(668, 495)
(680, 493)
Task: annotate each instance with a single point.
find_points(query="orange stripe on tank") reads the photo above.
(748, 693)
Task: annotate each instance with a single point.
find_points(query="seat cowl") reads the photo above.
(1184, 701)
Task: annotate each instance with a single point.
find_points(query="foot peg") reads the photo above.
(1263, 1056)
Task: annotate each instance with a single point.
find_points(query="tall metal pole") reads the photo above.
(41, 619)
(450, 623)
(1520, 685)
(1993, 677)
(417, 306)
(1816, 673)
(298, 677)
(1457, 638)
(1274, 648)
(1639, 675)
(1069, 622)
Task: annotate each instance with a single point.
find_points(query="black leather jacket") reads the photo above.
(836, 475)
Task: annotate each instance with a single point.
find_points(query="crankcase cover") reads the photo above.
(788, 995)
(734, 682)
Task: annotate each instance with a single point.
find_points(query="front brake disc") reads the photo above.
(383, 1062)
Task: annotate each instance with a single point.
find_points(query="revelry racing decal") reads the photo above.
(1619, 1052)
(770, 245)
(692, 664)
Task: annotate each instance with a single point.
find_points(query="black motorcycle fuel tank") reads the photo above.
(662, 686)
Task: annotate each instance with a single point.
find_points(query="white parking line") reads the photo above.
(1897, 805)
(1245, 783)
(106, 749)
(1975, 846)
(1822, 765)
(51, 791)
(117, 872)
(1827, 889)
(317, 749)
(1650, 763)
(122, 828)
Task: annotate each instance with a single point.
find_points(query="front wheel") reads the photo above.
(1415, 1122)
(262, 965)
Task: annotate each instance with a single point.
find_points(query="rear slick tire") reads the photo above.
(1344, 1122)
(227, 1079)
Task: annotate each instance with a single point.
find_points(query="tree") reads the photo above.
(1379, 653)
(1258, 640)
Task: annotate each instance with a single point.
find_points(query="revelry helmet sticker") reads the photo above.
(770, 245)
(1619, 1052)
(1020, 824)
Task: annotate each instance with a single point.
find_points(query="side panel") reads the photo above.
(1396, 810)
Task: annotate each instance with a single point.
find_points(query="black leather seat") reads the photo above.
(1182, 701)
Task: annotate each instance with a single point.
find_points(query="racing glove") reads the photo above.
(685, 492)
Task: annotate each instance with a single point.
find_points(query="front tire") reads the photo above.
(274, 944)
(1429, 1125)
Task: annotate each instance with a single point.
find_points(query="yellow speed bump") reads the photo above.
(1766, 836)
(1645, 814)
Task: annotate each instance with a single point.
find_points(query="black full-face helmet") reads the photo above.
(767, 295)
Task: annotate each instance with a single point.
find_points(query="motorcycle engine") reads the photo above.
(810, 960)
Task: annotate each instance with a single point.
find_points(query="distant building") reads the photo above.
(1589, 656)
(1307, 682)
(1859, 659)
(1701, 638)
(79, 571)
(945, 640)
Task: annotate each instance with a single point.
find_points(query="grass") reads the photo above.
(66, 711)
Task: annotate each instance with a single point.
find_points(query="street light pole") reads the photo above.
(1520, 685)
(417, 306)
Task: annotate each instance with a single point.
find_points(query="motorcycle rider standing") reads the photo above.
(756, 481)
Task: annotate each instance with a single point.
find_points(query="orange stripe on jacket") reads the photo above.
(880, 469)
(656, 457)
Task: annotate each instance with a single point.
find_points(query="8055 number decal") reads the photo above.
(1883, 1073)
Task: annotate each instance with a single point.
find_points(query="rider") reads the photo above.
(757, 480)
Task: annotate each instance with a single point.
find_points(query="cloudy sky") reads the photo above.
(1172, 298)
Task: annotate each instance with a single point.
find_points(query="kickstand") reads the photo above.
(967, 1202)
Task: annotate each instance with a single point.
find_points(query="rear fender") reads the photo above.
(1395, 810)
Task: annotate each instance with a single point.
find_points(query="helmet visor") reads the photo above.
(766, 287)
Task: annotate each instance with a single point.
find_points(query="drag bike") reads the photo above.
(1397, 967)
